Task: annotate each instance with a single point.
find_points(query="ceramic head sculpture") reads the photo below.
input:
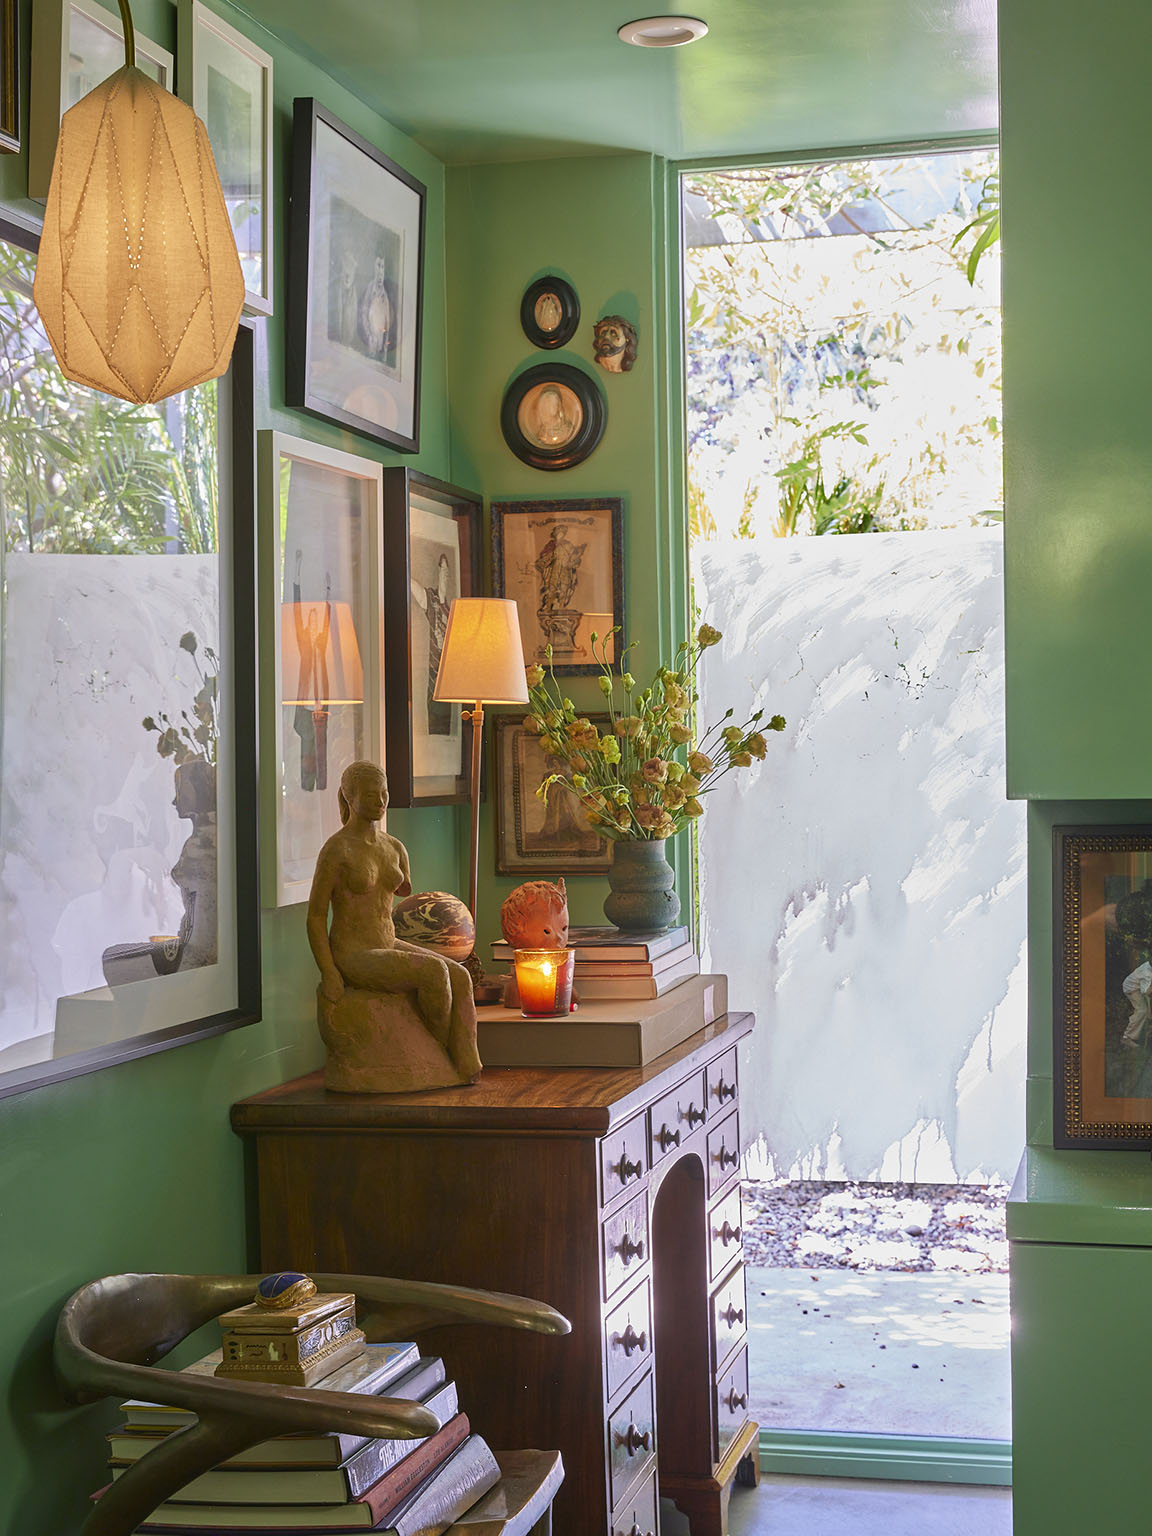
(535, 916)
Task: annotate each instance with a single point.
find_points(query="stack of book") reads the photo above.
(328, 1482)
(612, 964)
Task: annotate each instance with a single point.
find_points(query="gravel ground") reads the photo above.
(810, 1224)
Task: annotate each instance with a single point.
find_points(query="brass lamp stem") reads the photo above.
(129, 35)
(476, 717)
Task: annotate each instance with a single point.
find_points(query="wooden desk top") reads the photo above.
(587, 1100)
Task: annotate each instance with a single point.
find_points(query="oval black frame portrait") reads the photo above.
(587, 435)
(569, 312)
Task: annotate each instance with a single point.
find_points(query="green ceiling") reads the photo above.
(520, 79)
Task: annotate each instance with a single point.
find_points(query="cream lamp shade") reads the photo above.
(483, 658)
(138, 281)
(320, 659)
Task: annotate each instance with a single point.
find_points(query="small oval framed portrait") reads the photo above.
(549, 312)
(552, 416)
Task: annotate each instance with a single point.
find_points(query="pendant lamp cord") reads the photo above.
(129, 35)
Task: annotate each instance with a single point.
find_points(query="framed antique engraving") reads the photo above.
(9, 77)
(1102, 925)
(355, 281)
(320, 522)
(431, 556)
(563, 562)
(227, 81)
(128, 848)
(534, 838)
(549, 312)
(75, 45)
(553, 416)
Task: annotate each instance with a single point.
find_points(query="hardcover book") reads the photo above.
(611, 944)
(592, 987)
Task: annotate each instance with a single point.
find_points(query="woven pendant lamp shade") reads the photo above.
(137, 282)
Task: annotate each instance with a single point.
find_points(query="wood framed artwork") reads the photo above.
(75, 45)
(9, 77)
(227, 81)
(431, 556)
(553, 416)
(128, 790)
(320, 521)
(534, 838)
(563, 562)
(355, 281)
(1102, 924)
(549, 312)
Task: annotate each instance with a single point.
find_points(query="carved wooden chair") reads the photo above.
(111, 1333)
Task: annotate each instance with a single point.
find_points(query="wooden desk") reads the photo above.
(611, 1193)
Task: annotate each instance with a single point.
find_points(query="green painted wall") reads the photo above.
(136, 1166)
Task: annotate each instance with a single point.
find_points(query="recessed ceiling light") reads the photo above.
(662, 31)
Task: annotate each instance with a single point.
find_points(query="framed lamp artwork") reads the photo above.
(227, 80)
(355, 281)
(431, 556)
(563, 562)
(75, 45)
(9, 77)
(320, 519)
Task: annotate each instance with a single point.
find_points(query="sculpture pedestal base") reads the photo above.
(378, 1043)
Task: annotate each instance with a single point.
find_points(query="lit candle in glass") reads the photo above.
(544, 981)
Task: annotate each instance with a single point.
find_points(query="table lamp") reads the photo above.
(482, 662)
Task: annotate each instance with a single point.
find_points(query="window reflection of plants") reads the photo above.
(83, 473)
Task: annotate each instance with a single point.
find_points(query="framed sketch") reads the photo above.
(553, 416)
(1103, 986)
(320, 517)
(227, 81)
(431, 556)
(549, 312)
(538, 838)
(9, 77)
(355, 281)
(563, 562)
(128, 848)
(75, 45)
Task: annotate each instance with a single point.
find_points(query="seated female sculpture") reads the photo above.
(358, 873)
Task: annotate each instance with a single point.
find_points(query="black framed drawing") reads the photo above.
(553, 416)
(431, 556)
(355, 281)
(128, 786)
(534, 838)
(9, 77)
(1102, 927)
(563, 562)
(549, 312)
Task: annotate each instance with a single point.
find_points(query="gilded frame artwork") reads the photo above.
(129, 779)
(321, 703)
(534, 839)
(355, 281)
(227, 81)
(563, 563)
(75, 45)
(9, 77)
(1102, 994)
(431, 556)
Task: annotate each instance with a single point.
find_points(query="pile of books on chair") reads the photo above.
(328, 1482)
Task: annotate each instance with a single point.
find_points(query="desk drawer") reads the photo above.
(625, 1243)
(628, 1338)
(729, 1317)
(721, 1075)
(631, 1439)
(725, 1233)
(731, 1403)
(623, 1158)
(637, 1517)
(676, 1116)
(723, 1153)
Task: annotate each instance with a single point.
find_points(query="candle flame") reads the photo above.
(546, 968)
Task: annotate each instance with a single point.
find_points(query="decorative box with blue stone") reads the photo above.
(288, 1333)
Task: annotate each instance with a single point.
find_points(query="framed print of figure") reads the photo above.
(535, 838)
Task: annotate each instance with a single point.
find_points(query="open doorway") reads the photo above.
(866, 893)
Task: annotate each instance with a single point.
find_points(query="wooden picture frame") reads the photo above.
(75, 45)
(553, 416)
(321, 584)
(563, 563)
(9, 77)
(355, 281)
(130, 783)
(549, 312)
(227, 81)
(431, 556)
(535, 840)
(1102, 927)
